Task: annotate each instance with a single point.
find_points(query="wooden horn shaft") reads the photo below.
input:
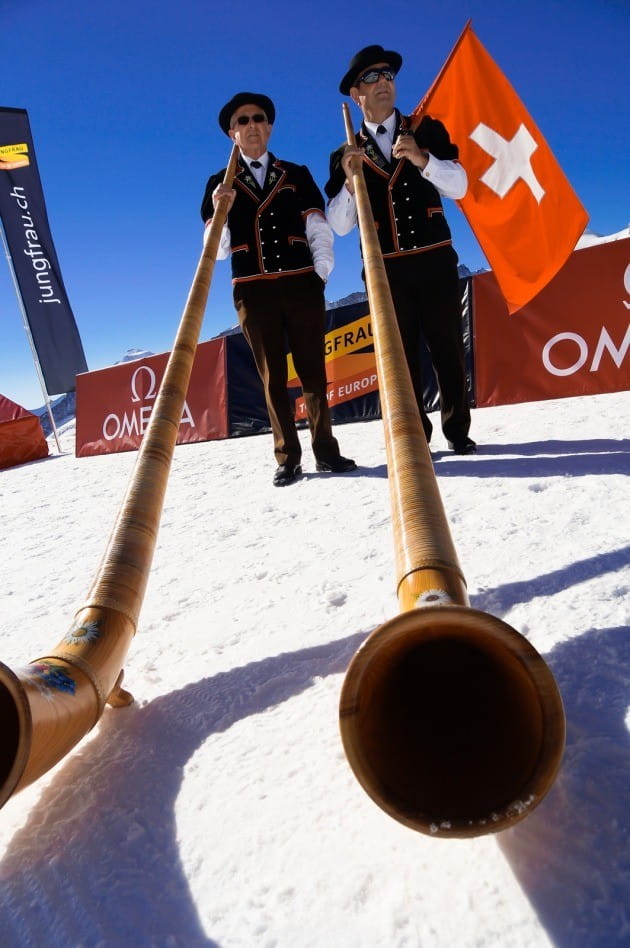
(49, 705)
(450, 719)
(422, 542)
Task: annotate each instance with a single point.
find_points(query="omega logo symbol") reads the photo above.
(152, 386)
(134, 424)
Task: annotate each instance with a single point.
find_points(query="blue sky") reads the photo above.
(123, 98)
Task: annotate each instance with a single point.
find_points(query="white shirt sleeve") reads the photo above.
(225, 244)
(342, 212)
(447, 177)
(320, 241)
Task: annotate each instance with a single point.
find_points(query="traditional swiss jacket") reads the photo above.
(407, 208)
(268, 225)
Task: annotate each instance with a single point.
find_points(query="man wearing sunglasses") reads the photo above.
(406, 173)
(281, 250)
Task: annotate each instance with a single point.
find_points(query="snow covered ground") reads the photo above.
(219, 809)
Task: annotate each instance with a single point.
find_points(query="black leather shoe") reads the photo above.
(466, 446)
(287, 474)
(336, 466)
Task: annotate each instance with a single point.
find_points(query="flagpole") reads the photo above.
(417, 112)
(29, 335)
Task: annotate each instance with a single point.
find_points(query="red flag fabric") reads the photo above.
(519, 204)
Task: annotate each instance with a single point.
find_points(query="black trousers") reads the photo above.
(271, 312)
(426, 295)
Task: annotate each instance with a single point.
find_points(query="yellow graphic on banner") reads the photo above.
(342, 341)
(13, 156)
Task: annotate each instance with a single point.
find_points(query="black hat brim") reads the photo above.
(368, 56)
(246, 98)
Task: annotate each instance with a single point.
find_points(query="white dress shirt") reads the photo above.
(385, 139)
(259, 173)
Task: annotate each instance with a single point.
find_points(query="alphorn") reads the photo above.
(450, 719)
(47, 707)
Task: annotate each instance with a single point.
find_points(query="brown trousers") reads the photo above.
(272, 313)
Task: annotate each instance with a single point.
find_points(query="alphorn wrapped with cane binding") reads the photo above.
(450, 719)
(47, 707)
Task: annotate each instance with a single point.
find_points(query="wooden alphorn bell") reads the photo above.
(450, 719)
(47, 707)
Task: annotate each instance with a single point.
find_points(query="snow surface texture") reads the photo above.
(219, 809)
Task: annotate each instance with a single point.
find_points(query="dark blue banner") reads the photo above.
(25, 222)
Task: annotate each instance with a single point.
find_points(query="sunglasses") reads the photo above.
(258, 117)
(373, 75)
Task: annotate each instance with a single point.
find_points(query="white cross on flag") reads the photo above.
(519, 204)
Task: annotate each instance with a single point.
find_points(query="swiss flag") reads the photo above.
(519, 204)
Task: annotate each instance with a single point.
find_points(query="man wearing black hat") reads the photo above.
(281, 251)
(405, 174)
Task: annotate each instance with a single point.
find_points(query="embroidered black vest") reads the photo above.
(407, 208)
(268, 225)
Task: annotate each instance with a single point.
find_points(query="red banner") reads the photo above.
(573, 339)
(114, 405)
(519, 204)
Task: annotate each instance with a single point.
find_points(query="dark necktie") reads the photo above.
(381, 130)
(256, 164)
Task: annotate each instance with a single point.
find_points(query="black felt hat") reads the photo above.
(245, 98)
(368, 57)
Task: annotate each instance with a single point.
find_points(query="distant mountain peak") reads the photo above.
(590, 237)
(132, 354)
(358, 297)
